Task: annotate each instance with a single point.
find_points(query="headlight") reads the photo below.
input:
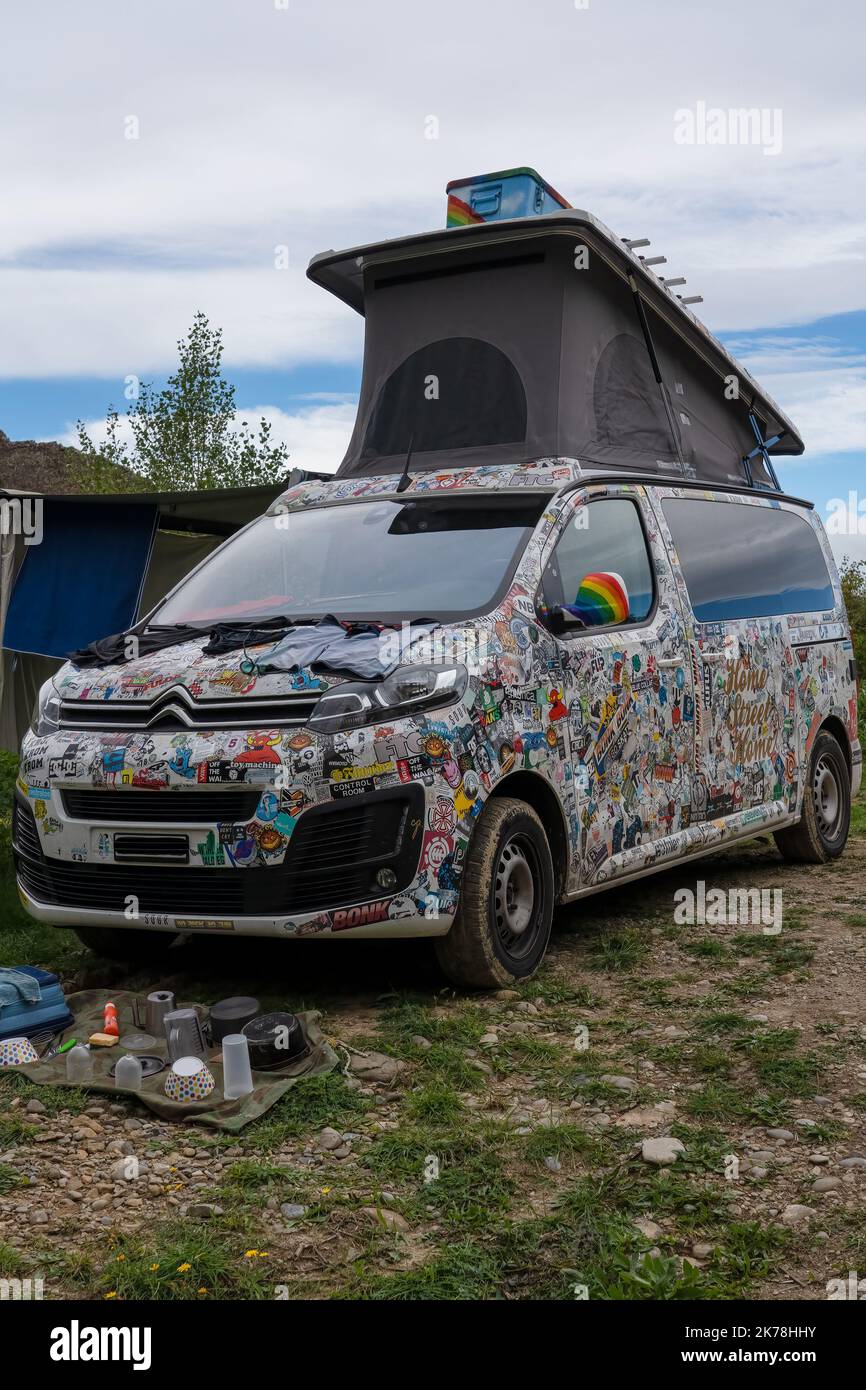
(406, 690)
(45, 718)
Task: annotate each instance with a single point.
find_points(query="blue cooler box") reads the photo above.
(508, 193)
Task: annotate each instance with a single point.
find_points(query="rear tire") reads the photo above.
(822, 830)
(117, 943)
(505, 914)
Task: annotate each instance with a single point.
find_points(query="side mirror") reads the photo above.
(601, 601)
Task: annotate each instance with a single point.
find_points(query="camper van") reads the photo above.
(552, 626)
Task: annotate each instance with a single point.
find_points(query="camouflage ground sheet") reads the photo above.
(231, 1115)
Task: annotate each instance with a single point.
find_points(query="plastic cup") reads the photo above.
(127, 1074)
(237, 1074)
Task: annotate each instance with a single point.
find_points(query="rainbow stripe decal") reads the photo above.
(601, 599)
(460, 214)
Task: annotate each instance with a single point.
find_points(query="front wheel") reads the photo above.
(503, 922)
(822, 830)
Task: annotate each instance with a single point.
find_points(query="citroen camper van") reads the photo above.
(552, 626)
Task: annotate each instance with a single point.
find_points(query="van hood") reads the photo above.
(203, 677)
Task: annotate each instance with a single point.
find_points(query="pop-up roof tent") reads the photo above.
(526, 329)
(97, 563)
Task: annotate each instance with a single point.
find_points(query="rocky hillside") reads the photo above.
(30, 466)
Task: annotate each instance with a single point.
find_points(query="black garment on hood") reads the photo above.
(222, 637)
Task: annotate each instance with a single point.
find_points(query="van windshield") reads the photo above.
(382, 560)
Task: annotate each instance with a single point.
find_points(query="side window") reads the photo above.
(603, 537)
(742, 561)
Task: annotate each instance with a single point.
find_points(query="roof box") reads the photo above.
(491, 197)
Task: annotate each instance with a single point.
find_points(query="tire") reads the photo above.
(503, 922)
(822, 830)
(118, 943)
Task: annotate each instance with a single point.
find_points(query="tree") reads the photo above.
(185, 436)
(853, 578)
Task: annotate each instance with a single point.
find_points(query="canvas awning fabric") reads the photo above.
(508, 342)
(85, 577)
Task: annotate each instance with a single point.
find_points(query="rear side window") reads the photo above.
(605, 535)
(747, 562)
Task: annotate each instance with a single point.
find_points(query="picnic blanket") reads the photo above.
(87, 1007)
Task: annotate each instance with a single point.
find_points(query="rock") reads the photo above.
(124, 1171)
(826, 1184)
(342, 1152)
(132, 1125)
(525, 1007)
(621, 1083)
(39, 1218)
(758, 1171)
(760, 1155)
(819, 1158)
(672, 1031)
(204, 1210)
(376, 1067)
(293, 1211)
(489, 1040)
(391, 1220)
(329, 1139)
(702, 1250)
(796, 1214)
(421, 1042)
(648, 1228)
(781, 1134)
(661, 1152)
(553, 1163)
(647, 1117)
(35, 1107)
(506, 994)
(854, 1162)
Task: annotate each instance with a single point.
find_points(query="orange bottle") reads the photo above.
(109, 1020)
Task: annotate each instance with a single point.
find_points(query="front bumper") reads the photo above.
(325, 881)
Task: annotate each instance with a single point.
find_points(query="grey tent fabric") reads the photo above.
(468, 327)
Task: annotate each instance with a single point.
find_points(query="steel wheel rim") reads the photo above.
(517, 897)
(826, 797)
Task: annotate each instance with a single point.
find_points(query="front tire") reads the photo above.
(503, 922)
(822, 830)
(118, 943)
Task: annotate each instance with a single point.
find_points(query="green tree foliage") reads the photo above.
(185, 436)
(853, 577)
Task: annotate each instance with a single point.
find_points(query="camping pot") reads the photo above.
(160, 1003)
(183, 1034)
(275, 1041)
(230, 1016)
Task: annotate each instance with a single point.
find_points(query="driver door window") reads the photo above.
(603, 536)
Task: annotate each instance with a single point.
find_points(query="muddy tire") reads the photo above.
(822, 829)
(118, 943)
(503, 922)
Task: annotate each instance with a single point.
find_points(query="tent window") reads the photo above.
(457, 393)
(626, 400)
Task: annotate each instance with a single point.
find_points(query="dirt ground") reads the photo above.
(493, 1145)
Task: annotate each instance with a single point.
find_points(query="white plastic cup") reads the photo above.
(237, 1073)
(79, 1064)
(127, 1074)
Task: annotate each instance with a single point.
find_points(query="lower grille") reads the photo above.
(160, 807)
(331, 862)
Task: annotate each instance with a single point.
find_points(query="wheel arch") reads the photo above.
(537, 792)
(835, 726)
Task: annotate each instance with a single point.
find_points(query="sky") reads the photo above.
(159, 161)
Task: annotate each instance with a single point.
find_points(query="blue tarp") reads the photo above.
(84, 580)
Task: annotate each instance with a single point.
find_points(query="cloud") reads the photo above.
(306, 127)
